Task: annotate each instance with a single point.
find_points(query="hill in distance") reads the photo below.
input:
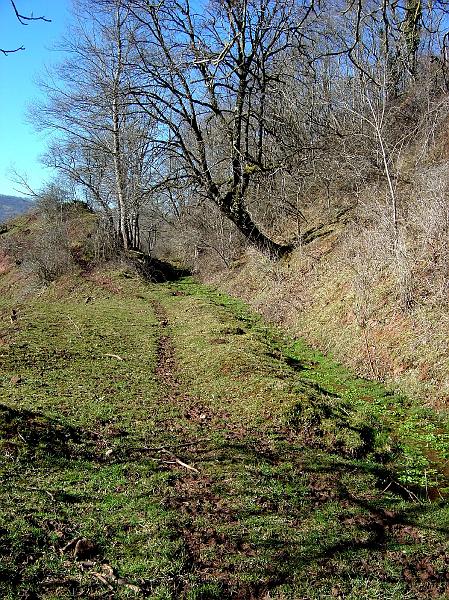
(10, 206)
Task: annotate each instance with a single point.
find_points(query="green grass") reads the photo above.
(87, 394)
(324, 473)
(309, 483)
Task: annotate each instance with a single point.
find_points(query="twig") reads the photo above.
(368, 351)
(109, 575)
(23, 18)
(165, 447)
(75, 325)
(180, 462)
(103, 580)
(35, 489)
(176, 461)
(114, 356)
(6, 52)
(412, 495)
(385, 489)
(70, 545)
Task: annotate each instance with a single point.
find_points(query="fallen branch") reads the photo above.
(166, 447)
(108, 574)
(411, 494)
(114, 356)
(180, 462)
(103, 580)
(164, 450)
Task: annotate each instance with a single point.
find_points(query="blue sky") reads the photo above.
(20, 145)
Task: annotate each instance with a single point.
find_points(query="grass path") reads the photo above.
(163, 442)
(310, 489)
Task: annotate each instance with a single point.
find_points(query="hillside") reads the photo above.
(163, 441)
(351, 306)
(10, 206)
(224, 325)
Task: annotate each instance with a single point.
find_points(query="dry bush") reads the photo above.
(48, 255)
(103, 242)
(413, 255)
(428, 219)
(60, 237)
(202, 240)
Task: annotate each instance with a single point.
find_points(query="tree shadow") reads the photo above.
(155, 270)
(39, 434)
(322, 515)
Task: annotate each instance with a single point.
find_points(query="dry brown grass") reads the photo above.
(374, 295)
(354, 314)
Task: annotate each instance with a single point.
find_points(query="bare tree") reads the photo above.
(209, 71)
(262, 108)
(103, 142)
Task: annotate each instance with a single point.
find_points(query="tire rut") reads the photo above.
(192, 494)
(206, 515)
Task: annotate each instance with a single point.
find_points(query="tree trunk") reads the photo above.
(123, 225)
(244, 223)
(116, 135)
(412, 31)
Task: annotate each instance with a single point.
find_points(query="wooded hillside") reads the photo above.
(221, 124)
(311, 132)
(162, 440)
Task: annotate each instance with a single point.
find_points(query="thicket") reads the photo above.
(60, 236)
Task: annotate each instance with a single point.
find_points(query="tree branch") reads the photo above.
(23, 18)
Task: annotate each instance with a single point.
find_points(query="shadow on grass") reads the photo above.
(290, 515)
(155, 270)
(40, 434)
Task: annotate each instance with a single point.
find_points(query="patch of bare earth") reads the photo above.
(6, 263)
(104, 281)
